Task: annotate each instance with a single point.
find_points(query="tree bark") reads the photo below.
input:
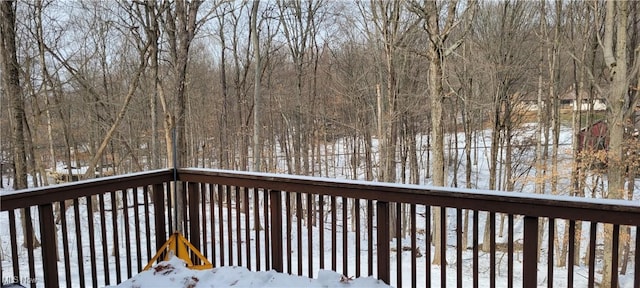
(257, 102)
(12, 88)
(615, 57)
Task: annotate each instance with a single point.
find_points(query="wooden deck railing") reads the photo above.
(294, 224)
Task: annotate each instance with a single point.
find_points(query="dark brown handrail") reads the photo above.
(51, 194)
(622, 212)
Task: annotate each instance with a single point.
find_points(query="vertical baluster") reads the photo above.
(551, 251)
(159, 214)
(238, 226)
(230, 223)
(383, 241)
(247, 227)
(414, 247)
(510, 251)
(287, 205)
(256, 221)
(116, 250)
(276, 229)
(212, 219)
(615, 240)
(127, 235)
(443, 246)
(185, 210)
(49, 246)
(530, 253)
(370, 237)
(321, 229)
(267, 223)
(147, 224)
(399, 235)
(459, 247)
(193, 195)
(220, 191)
(229, 207)
(203, 220)
(310, 220)
(334, 260)
(103, 235)
(76, 209)
(65, 243)
(170, 212)
(636, 264)
(427, 254)
(92, 241)
(492, 249)
(137, 232)
(356, 209)
(299, 231)
(571, 262)
(592, 254)
(345, 234)
(30, 237)
(476, 242)
(14, 245)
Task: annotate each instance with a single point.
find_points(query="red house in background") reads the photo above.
(594, 137)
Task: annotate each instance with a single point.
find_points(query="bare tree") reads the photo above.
(386, 16)
(439, 31)
(257, 103)
(620, 104)
(499, 36)
(133, 85)
(180, 20)
(12, 87)
(392, 27)
(299, 21)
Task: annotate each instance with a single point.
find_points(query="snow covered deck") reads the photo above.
(111, 227)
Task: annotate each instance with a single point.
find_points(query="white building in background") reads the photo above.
(568, 100)
(529, 102)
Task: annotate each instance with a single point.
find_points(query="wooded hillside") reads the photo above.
(271, 85)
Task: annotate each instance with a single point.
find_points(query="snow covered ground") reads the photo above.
(172, 273)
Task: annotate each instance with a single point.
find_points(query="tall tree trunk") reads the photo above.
(468, 135)
(47, 83)
(496, 141)
(439, 178)
(438, 29)
(541, 157)
(255, 42)
(181, 28)
(12, 88)
(576, 169)
(225, 147)
(615, 57)
(152, 30)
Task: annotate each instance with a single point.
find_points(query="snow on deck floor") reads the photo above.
(173, 273)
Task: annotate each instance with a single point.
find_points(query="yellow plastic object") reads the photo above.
(177, 246)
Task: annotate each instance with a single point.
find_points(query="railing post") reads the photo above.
(194, 215)
(159, 214)
(382, 210)
(530, 253)
(276, 229)
(49, 245)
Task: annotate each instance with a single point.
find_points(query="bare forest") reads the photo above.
(400, 91)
